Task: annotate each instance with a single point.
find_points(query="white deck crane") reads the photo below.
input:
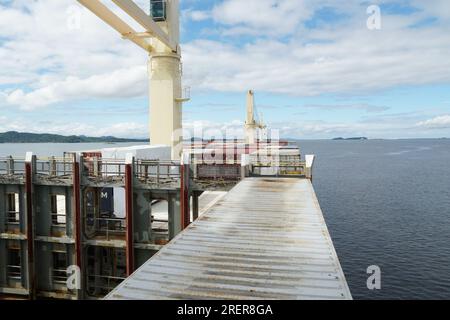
(161, 40)
(251, 124)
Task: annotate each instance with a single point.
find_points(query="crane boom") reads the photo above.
(103, 12)
(164, 66)
(145, 21)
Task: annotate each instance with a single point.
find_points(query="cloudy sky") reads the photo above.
(317, 69)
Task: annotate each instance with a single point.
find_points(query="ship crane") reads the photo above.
(161, 40)
(251, 124)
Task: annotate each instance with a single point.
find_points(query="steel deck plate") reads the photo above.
(265, 239)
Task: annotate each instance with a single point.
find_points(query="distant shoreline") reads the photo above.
(369, 139)
(26, 137)
(351, 138)
(14, 137)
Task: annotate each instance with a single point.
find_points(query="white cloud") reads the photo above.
(45, 62)
(197, 15)
(274, 17)
(118, 129)
(305, 129)
(435, 8)
(208, 129)
(342, 58)
(361, 106)
(440, 122)
(119, 83)
(350, 61)
(40, 50)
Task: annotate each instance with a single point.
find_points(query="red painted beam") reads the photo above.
(224, 151)
(235, 151)
(184, 193)
(129, 217)
(77, 211)
(29, 224)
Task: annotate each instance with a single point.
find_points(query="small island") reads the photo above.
(352, 138)
(25, 137)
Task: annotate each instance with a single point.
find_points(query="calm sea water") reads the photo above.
(386, 203)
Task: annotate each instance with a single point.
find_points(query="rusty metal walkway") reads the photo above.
(266, 239)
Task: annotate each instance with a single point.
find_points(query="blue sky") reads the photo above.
(317, 70)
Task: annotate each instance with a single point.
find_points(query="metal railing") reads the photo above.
(109, 227)
(294, 168)
(100, 167)
(59, 276)
(59, 219)
(104, 283)
(217, 171)
(185, 94)
(13, 217)
(14, 272)
(158, 171)
(217, 160)
(54, 167)
(12, 166)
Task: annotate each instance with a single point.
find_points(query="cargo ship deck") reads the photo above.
(266, 239)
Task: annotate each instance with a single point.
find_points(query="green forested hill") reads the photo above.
(24, 137)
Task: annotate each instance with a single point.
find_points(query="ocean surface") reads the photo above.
(386, 203)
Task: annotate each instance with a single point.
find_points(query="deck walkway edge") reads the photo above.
(266, 239)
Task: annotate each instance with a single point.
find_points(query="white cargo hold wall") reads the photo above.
(140, 152)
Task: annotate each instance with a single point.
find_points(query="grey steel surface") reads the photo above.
(266, 239)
